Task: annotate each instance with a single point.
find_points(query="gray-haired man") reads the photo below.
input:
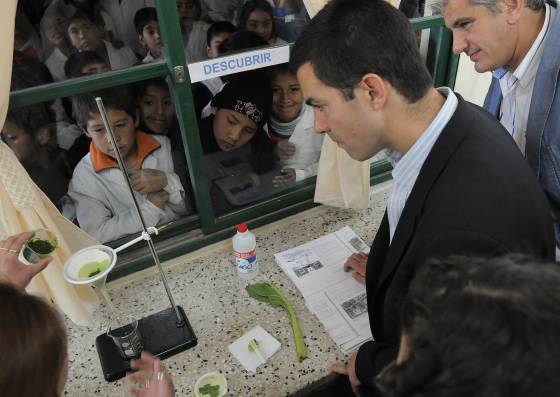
(518, 41)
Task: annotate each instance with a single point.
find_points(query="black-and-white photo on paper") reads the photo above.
(356, 306)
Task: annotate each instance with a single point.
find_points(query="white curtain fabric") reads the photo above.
(24, 207)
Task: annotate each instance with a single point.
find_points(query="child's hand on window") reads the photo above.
(148, 181)
(159, 199)
(285, 149)
(287, 177)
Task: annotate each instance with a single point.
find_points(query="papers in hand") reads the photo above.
(338, 301)
(267, 346)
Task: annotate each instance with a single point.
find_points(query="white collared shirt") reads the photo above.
(517, 87)
(408, 166)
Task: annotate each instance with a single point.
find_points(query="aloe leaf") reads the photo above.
(267, 292)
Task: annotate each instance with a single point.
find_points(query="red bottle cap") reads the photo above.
(242, 228)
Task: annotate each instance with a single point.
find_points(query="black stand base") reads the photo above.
(161, 336)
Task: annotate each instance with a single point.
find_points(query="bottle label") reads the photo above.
(246, 262)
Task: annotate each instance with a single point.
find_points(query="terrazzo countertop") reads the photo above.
(206, 285)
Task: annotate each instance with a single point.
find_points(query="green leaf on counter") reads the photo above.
(267, 292)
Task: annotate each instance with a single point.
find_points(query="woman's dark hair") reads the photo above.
(350, 38)
(480, 327)
(32, 345)
(249, 7)
(76, 62)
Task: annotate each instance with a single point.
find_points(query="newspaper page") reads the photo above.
(338, 301)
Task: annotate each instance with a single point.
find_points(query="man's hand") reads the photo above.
(151, 380)
(285, 149)
(159, 199)
(12, 270)
(357, 262)
(148, 181)
(348, 369)
(287, 177)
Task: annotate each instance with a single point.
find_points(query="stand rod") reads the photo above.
(145, 233)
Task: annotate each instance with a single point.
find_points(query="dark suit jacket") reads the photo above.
(475, 195)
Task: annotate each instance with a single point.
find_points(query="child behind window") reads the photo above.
(33, 140)
(86, 36)
(240, 112)
(147, 27)
(291, 124)
(102, 200)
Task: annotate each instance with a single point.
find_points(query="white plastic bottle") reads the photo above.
(244, 248)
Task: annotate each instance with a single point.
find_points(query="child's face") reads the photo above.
(84, 35)
(124, 128)
(185, 9)
(55, 31)
(94, 68)
(232, 129)
(18, 140)
(215, 43)
(260, 22)
(287, 98)
(156, 109)
(151, 38)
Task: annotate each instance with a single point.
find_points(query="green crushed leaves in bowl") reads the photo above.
(210, 389)
(91, 269)
(41, 247)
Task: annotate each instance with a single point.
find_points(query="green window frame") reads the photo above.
(205, 227)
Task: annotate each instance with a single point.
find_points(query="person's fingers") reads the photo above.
(145, 363)
(158, 365)
(363, 256)
(359, 277)
(339, 368)
(351, 262)
(136, 392)
(18, 241)
(38, 267)
(137, 377)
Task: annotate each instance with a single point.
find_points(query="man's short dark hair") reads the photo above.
(143, 17)
(115, 98)
(76, 62)
(350, 38)
(219, 27)
(480, 327)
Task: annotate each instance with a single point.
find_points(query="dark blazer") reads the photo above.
(475, 195)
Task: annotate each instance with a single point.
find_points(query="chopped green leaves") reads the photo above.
(253, 345)
(210, 390)
(42, 247)
(266, 292)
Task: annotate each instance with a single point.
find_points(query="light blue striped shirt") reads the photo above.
(407, 167)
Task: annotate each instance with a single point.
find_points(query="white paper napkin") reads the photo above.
(250, 360)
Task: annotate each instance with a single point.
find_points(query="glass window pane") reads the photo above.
(65, 39)
(66, 150)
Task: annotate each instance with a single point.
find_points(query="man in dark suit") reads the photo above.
(460, 185)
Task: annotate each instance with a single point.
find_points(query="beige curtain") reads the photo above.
(24, 207)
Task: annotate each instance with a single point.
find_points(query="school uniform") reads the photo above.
(103, 202)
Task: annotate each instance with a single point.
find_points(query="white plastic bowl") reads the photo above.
(214, 378)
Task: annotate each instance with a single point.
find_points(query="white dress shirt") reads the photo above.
(517, 88)
(407, 167)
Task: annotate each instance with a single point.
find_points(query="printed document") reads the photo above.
(338, 301)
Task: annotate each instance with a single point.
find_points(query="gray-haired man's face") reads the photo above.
(487, 38)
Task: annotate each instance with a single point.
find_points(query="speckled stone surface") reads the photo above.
(206, 285)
